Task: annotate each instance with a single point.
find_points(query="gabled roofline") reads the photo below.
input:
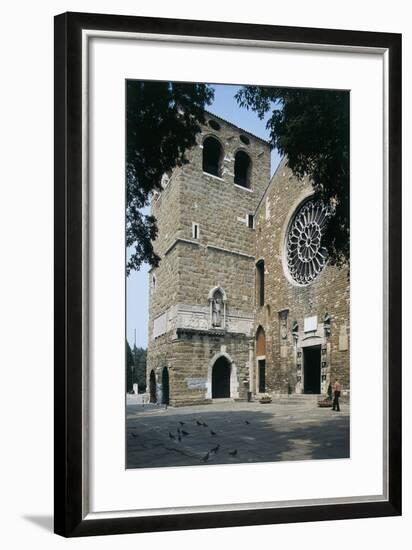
(237, 127)
(282, 162)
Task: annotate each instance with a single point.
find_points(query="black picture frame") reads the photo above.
(69, 489)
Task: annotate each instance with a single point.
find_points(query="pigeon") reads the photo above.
(233, 453)
(204, 425)
(215, 449)
(171, 436)
(206, 457)
(181, 423)
(198, 423)
(212, 432)
(184, 432)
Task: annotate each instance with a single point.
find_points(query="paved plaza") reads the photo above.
(227, 432)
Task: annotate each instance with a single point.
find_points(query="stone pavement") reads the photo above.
(292, 428)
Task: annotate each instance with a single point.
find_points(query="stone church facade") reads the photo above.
(243, 301)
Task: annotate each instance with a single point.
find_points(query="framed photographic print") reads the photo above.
(227, 274)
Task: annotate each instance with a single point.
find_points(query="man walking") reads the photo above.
(336, 395)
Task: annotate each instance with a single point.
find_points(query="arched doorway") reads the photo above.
(312, 370)
(221, 378)
(152, 387)
(165, 386)
(261, 359)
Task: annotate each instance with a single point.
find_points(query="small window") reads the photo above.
(164, 182)
(242, 169)
(195, 230)
(260, 280)
(244, 139)
(153, 284)
(214, 124)
(251, 221)
(212, 156)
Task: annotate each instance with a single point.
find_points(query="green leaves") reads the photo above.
(163, 119)
(135, 367)
(311, 127)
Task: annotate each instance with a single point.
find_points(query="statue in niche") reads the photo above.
(295, 331)
(326, 324)
(283, 324)
(284, 329)
(217, 310)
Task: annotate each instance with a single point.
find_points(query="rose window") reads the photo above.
(305, 255)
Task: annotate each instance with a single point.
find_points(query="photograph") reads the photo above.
(237, 274)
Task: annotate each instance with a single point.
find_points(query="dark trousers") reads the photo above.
(335, 404)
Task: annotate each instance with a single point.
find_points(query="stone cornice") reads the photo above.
(211, 246)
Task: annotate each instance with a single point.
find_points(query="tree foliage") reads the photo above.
(135, 367)
(140, 358)
(163, 119)
(129, 369)
(311, 128)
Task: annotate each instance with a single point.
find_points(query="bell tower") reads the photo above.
(201, 305)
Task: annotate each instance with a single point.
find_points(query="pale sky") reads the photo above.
(137, 298)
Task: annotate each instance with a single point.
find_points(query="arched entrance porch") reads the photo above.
(221, 378)
(260, 360)
(152, 387)
(165, 386)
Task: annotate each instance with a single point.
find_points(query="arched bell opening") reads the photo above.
(212, 156)
(243, 167)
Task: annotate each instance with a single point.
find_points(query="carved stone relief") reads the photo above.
(283, 324)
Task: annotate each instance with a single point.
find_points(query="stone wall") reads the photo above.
(189, 357)
(286, 302)
(222, 256)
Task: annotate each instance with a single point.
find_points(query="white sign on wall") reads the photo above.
(159, 325)
(310, 324)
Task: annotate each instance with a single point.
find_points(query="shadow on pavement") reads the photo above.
(256, 436)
